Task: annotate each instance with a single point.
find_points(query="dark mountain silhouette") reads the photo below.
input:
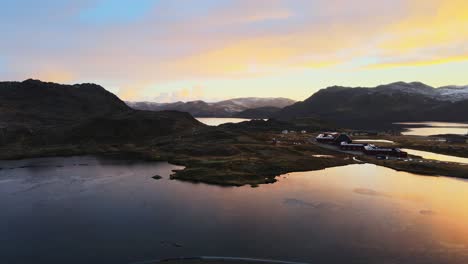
(226, 108)
(257, 113)
(54, 113)
(383, 104)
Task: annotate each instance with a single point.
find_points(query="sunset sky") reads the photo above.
(169, 50)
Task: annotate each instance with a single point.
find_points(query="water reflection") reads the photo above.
(373, 141)
(216, 121)
(113, 212)
(434, 128)
(435, 156)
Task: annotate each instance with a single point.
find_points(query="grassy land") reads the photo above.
(424, 168)
(245, 158)
(214, 156)
(235, 157)
(425, 144)
(428, 144)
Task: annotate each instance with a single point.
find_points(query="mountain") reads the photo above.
(226, 108)
(388, 103)
(54, 113)
(258, 113)
(453, 93)
(255, 102)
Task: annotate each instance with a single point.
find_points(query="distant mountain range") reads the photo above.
(48, 113)
(226, 108)
(388, 103)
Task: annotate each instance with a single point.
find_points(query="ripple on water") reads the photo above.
(427, 212)
(370, 192)
(316, 205)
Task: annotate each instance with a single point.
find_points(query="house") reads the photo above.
(333, 138)
(327, 137)
(374, 150)
(343, 138)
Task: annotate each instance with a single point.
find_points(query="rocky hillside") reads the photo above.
(40, 103)
(46, 113)
(382, 104)
(227, 108)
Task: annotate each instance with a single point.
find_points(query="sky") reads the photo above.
(171, 50)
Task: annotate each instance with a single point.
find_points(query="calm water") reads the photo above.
(90, 210)
(435, 156)
(216, 121)
(435, 128)
(373, 141)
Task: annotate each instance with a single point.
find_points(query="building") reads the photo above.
(394, 152)
(333, 138)
(352, 146)
(327, 137)
(343, 138)
(364, 133)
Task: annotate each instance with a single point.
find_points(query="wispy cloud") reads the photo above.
(145, 47)
(184, 95)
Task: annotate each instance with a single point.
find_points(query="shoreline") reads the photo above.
(239, 162)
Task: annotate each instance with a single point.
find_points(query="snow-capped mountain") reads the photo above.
(453, 92)
(403, 87)
(366, 106)
(226, 108)
(446, 93)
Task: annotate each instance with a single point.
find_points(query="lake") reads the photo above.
(434, 128)
(436, 156)
(96, 210)
(216, 121)
(373, 141)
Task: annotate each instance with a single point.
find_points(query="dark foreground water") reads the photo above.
(90, 210)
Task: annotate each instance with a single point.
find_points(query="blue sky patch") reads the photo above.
(117, 11)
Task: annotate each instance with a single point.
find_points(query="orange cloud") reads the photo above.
(132, 91)
(55, 75)
(270, 54)
(433, 28)
(184, 94)
(243, 40)
(419, 63)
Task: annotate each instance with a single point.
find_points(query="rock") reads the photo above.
(157, 177)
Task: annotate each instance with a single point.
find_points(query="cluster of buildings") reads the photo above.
(290, 137)
(344, 142)
(285, 132)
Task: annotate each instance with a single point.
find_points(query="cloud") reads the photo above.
(433, 32)
(421, 62)
(56, 75)
(132, 91)
(144, 48)
(184, 95)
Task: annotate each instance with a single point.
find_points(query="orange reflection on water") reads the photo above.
(424, 210)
